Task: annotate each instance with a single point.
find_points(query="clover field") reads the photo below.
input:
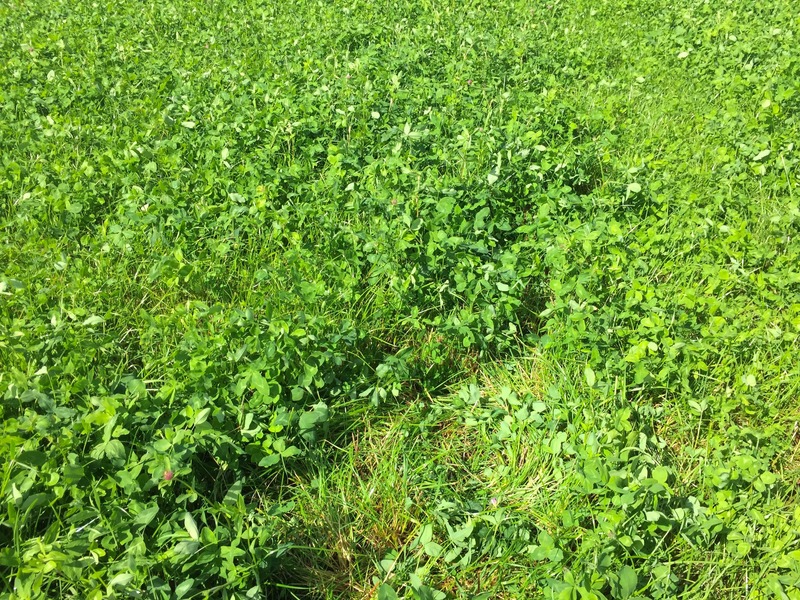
(413, 299)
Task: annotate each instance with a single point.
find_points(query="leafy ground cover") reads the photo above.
(410, 300)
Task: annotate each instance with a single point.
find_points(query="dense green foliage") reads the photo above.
(413, 299)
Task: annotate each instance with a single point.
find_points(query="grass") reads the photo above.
(414, 467)
(421, 300)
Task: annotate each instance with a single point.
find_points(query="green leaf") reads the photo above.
(191, 526)
(432, 549)
(233, 494)
(162, 445)
(201, 416)
(184, 588)
(386, 592)
(463, 533)
(120, 580)
(187, 548)
(761, 155)
(72, 473)
(34, 458)
(145, 516)
(590, 376)
(309, 419)
(426, 534)
(291, 451)
(661, 474)
(9, 558)
(627, 581)
(115, 450)
(270, 460)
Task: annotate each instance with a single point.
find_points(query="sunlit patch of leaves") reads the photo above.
(234, 234)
